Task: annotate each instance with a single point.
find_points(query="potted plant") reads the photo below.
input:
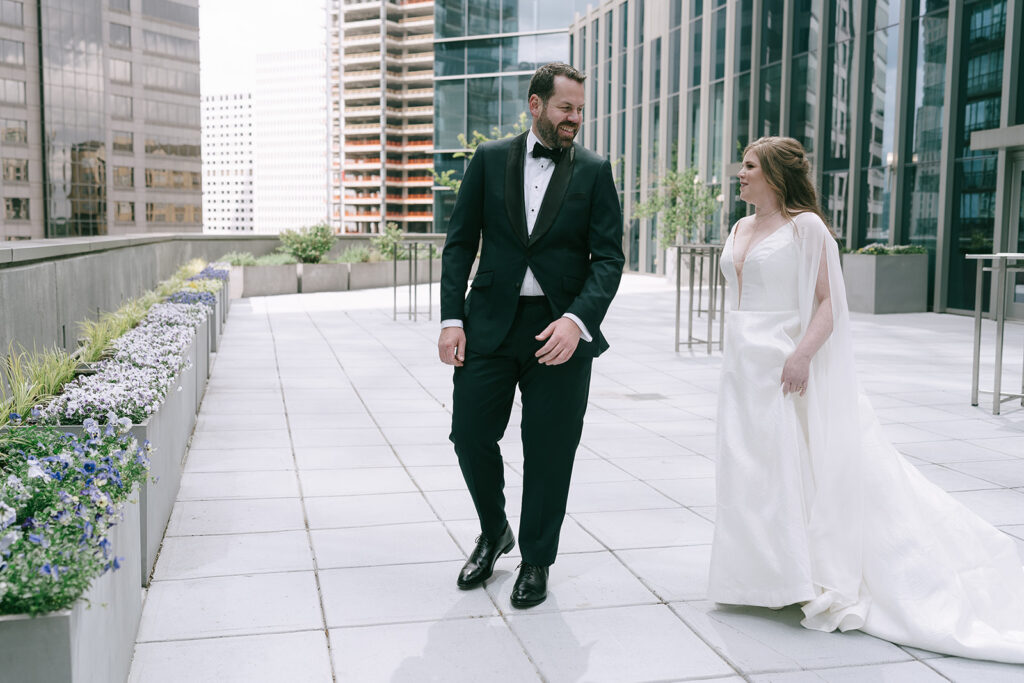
(884, 279)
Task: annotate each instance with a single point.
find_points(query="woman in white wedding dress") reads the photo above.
(814, 505)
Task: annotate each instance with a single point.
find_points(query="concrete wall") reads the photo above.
(48, 286)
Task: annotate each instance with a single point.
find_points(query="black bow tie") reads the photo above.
(540, 150)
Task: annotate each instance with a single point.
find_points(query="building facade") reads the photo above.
(99, 117)
(382, 114)
(291, 131)
(485, 53)
(884, 95)
(228, 163)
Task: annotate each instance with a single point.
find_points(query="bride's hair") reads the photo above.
(788, 172)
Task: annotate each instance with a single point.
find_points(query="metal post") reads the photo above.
(711, 296)
(416, 281)
(689, 324)
(976, 367)
(430, 282)
(679, 287)
(720, 279)
(700, 284)
(999, 279)
(408, 313)
(394, 284)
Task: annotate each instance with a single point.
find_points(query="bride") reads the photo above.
(814, 506)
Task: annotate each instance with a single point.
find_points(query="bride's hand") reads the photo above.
(795, 373)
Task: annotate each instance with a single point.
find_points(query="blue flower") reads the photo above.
(91, 426)
(36, 413)
(14, 418)
(88, 467)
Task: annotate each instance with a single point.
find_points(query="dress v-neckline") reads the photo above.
(738, 271)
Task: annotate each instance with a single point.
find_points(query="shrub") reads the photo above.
(276, 259)
(355, 254)
(308, 245)
(239, 258)
(387, 241)
(879, 249)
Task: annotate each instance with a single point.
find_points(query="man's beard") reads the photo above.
(548, 132)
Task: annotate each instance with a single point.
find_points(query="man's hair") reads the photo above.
(543, 82)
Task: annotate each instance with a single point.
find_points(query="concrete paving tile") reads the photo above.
(416, 455)
(762, 640)
(338, 437)
(344, 457)
(619, 645)
(241, 403)
(457, 504)
(578, 581)
(616, 495)
(362, 596)
(239, 460)
(245, 421)
(973, 671)
(193, 557)
(241, 438)
(678, 466)
(202, 517)
(354, 482)
(572, 539)
(646, 528)
(689, 492)
(342, 420)
(219, 485)
(649, 446)
(950, 479)
(1005, 472)
(951, 451)
(437, 434)
(904, 672)
(368, 510)
(596, 470)
(673, 574)
(424, 652)
(449, 477)
(998, 506)
(383, 545)
(300, 656)
(230, 606)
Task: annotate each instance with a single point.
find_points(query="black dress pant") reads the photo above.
(554, 402)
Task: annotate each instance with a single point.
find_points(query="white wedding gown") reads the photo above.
(816, 507)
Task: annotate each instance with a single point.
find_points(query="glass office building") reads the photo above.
(485, 52)
(888, 98)
(99, 117)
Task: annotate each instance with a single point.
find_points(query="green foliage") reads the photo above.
(17, 390)
(49, 370)
(308, 245)
(239, 258)
(275, 259)
(446, 180)
(879, 249)
(356, 253)
(683, 203)
(387, 241)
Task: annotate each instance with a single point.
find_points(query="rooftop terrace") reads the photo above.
(322, 517)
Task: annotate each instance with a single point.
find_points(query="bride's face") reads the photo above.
(753, 187)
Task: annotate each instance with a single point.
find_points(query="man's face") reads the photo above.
(557, 121)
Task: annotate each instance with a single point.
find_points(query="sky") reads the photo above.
(233, 32)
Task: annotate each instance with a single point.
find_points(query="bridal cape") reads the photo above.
(815, 506)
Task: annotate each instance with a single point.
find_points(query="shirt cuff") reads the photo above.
(584, 333)
(454, 322)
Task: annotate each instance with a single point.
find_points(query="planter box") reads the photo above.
(269, 280)
(93, 641)
(236, 283)
(200, 357)
(370, 275)
(168, 431)
(891, 283)
(422, 274)
(325, 277)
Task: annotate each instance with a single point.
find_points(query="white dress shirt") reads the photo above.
(537, 174)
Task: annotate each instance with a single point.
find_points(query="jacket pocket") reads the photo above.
(572, 285)
(483, 279)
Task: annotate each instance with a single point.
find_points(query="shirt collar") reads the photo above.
(531, 140)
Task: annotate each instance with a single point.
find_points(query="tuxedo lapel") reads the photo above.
(515, 204)
(552, 202)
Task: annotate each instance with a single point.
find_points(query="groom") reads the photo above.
(547, 213)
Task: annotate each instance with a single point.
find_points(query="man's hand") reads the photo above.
(563, 335)
(451, 346)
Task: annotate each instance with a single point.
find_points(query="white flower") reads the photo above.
(34, 470)
(9, 539)
(7, 515)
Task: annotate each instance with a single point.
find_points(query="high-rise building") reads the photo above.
(228, 163)
(887, 98)
(485, 55)
(99, 117)
(291, 150)
(382, 113)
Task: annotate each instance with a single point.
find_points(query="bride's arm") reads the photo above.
(798, 366)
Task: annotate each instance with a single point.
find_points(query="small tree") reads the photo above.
(446, 180)
(388, 240)
(308, 245)
(684, 203)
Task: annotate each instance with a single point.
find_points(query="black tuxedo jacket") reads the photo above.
(575, 251)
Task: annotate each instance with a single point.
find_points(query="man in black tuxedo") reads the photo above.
(548, 215)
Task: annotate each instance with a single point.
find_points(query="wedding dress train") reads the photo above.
(815, 506)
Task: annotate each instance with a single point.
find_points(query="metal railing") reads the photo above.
(1003, 266)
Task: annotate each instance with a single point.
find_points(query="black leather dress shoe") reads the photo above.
(531, 586)
(480, 565)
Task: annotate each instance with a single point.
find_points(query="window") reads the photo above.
(123, 5)
(124, 212)
(15, 170)
(13, 132)
(124, 176)
(120, 70)
(123, 141)
(122, 106)
(12, 52)
(16, 208)
(172, 46)
(120, 35)
(11, 91)
(12, 12)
